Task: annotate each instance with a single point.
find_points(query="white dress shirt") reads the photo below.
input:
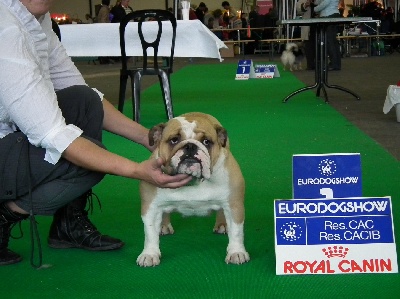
(33, 66)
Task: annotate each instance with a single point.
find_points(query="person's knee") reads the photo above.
(83, 107)
(79, 97)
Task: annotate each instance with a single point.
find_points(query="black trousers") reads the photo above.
(309, 47)
(332, 44)
(22, 165)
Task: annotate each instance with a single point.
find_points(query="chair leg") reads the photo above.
(136, 95)
(166, 92)
(122, 88)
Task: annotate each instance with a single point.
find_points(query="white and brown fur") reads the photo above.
(200, 142)
(292, 57)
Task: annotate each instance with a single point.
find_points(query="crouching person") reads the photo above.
(51, 123)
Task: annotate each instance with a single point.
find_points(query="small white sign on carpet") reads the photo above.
(246, 69)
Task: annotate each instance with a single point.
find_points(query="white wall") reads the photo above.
(78, 8)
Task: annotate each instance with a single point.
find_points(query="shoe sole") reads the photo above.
(14, 261)
(65, 245)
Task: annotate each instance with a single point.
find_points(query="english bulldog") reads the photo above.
(195, 144)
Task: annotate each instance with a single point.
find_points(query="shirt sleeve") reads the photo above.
(28, 95)
(63, 71)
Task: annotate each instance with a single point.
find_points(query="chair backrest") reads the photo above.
(140, 16)
(56, 29)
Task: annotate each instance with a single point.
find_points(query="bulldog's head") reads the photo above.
(190, 144)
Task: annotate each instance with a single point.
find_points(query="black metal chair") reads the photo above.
(56, 29)
(161, 69)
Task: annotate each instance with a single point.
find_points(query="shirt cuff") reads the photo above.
(60, 141)
(101, 95)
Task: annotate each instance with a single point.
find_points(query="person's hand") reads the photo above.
(150, 171)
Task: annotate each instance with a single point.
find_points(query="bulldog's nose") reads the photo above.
(190, 149)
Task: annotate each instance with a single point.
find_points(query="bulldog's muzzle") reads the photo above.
(192, 158)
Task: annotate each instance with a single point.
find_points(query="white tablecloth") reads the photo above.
(392, 98)
(193, 39)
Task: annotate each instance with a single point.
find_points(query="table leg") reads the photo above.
(325, 69)
(321, 68)
(318, 69)
(321, 55)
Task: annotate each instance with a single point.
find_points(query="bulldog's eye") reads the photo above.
(207, 142)
(174, 140)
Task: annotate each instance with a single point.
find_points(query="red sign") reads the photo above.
(264, 6)
(333, 266)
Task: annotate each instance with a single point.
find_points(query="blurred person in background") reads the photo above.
(104, 17)
(201, 11)
(330, 9)
(119, 11)
(305, 8)
(216, 23)
(231, 12)
(89, 19)
(104, 12)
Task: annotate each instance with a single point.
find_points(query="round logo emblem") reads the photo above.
(327, 167)
(291, 231)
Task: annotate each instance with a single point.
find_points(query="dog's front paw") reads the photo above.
(237, 258)
(148, 259)
(167, 229)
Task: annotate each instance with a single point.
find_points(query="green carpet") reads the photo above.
(264, 135)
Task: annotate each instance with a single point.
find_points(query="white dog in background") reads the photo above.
(292, 57)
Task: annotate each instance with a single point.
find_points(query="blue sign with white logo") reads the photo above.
(243, 69)
(329, 176)
(334, 221)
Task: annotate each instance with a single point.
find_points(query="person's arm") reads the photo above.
(117, 123)
(84, 153)
(150, 171)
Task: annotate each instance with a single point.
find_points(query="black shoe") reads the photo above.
(334, 69)
(8, 257)
(71, 228)
(8, 219)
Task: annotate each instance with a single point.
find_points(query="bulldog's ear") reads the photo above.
(155, 134)
(222, 135)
